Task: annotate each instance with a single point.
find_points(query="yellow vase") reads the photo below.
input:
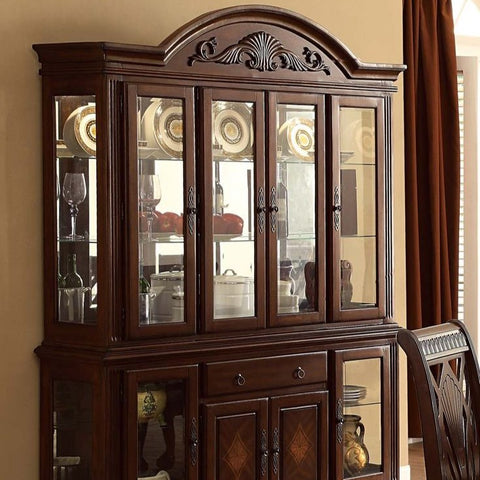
(151, 405)
(355, 453)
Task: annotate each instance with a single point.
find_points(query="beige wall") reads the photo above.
(371, 29)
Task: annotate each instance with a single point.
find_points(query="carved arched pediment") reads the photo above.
(262, 51)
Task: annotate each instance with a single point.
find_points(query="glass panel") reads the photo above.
(358, 248)
(160, 210)
(161, 429)
(296, 202)
(76, 191)
(72, 430)
(233, 209)
(362, 428)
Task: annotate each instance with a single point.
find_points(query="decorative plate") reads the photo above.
(80, 131)
(232, 128)
(298, 137)
(365, 140)
(162, 125)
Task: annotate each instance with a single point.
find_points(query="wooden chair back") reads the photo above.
(445, 371)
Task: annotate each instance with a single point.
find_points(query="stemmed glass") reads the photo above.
(150, 194)
(74, 192)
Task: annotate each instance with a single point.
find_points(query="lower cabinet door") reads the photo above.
(162, 423)
(299, 436)
(237, 440)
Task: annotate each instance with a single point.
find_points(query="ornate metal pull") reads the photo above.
(193, 442)
(273, 209)
(276, 451)
(339, 418)
(337, 208)
(191, 210)
(240, 380)
(261, 209)
(264, 452)
(299, 373)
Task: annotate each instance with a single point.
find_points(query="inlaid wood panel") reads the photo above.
(299, 444)
(237, 439)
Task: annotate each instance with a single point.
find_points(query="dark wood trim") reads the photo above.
(336, 312)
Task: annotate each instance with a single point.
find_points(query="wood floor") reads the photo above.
(416, 461)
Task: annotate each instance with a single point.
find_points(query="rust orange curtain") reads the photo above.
(432, 166)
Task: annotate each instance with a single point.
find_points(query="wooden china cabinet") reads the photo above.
(218, 256)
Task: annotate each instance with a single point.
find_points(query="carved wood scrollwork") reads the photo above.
(260, 51)
(193, 442)
(191, 210)
(264, 452)
(340, 420)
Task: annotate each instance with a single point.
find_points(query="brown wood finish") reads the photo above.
(264, 373)
(278, 419)
(378, 311)
(236, 435)
(299, 438)
(134, 330)
(447, 381)
(318, 315)
(387, 417)
(258, 319)
(186, 405)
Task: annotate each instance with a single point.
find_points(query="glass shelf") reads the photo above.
(233, 238)
(156, 154)
(219, 156)
(351, 405)
(359, 236)
(83, 240)
(356, 164)
(160, 238)
(64, 152)
(293, 160)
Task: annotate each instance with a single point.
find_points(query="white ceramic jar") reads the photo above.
(164, 285)
(234, 295)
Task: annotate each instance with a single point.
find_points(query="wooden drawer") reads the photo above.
(265, 373)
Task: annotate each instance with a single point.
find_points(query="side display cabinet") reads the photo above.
(218, 256)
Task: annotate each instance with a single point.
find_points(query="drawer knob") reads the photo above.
(299, 373)
(240, 380)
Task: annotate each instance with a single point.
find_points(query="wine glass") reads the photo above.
(150, 194)
(74, 192)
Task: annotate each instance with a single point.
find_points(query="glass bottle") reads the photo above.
(144, 286)
(72, 278)
(219, 204)
(143, 298)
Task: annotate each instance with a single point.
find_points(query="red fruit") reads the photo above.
(219, 225)
(234, 223)
(179, 225)
(167, 222)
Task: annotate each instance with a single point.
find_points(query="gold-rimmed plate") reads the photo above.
(162, 125)
(297, 136)
(232, 128)
(80, 131)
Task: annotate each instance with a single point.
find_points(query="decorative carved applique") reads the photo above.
(299, 446)
(260, 51)
(236, 456)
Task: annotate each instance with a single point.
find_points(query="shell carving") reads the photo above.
(260, 51)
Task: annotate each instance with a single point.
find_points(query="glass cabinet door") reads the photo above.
(358, 208)
(163, 427)
(76, 209)
(72, 443)
(162, 211)
(235, 211)
(296, 209)
(363, 413)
